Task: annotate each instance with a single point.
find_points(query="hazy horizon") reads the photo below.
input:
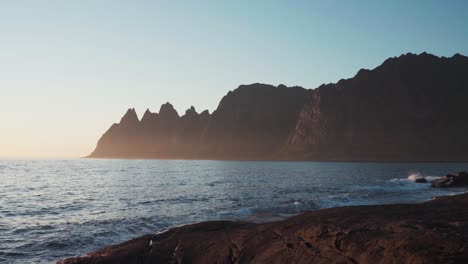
(72, 69)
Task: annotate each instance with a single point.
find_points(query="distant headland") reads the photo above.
(410, 108)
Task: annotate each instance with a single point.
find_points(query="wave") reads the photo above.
(415, 176)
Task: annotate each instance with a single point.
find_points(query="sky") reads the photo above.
(69, 69)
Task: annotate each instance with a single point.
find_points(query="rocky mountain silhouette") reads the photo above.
(251, 122)
(410, 108)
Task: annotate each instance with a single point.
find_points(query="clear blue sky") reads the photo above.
(69, 69)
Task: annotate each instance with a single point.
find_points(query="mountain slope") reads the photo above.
(410, 108)
(251, 122)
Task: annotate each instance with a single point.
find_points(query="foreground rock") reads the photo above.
(432, 232)
(452, 180)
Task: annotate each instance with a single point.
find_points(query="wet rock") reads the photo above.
(451, 180)
(432, 232)
(420, 180)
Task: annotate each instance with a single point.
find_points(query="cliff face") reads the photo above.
(410, 108)
(251, 122)
(120, 138)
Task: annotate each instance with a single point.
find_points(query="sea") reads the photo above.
(54, 209)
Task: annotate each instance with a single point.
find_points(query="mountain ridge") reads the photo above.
(224, 133)
(391, 112)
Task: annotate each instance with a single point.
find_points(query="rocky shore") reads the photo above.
(430, 232)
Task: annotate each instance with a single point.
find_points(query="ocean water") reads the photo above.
(53, 209)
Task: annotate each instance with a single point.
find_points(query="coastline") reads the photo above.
(340, 160)
(429, 232)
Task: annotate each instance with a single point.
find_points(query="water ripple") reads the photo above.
(51, 210)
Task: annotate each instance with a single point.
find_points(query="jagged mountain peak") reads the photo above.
(148, 117)
(393, 111)
(167, 110)
(458, 56)
(408, 108)
(191, 112)
(130, 117)
(205, 113)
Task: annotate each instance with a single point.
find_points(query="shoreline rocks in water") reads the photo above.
(430, 232)
(420, 180)
(451, 180)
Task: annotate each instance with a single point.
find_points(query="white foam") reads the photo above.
(415, 176)
(431, 178)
